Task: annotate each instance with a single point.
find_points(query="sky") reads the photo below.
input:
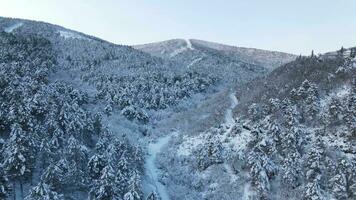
(293, 26)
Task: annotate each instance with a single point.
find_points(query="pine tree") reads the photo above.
(313, 191)
(56, 173)
(43, 192)
(339, 188)
(153, 196)
(315, 167)
(291, 169)
(18, 154)
(5, 187)
(105, 188)
(123, 174)
(76, 155)
(261, 170)
(134, 192)
(95, 166)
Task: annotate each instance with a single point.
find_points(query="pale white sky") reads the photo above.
(283, 25)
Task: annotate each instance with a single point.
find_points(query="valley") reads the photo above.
(83, 118)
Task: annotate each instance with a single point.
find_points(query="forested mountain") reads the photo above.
(82, 118)
(293, 137)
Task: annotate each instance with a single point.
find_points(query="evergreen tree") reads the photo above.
(43, 192)
(5, 187)
(95, 166)
(134, 192)
(153, 196)
(105, 188)
(315, 167)
(18, 154)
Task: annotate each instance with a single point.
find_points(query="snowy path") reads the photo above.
(194, 61)
(13, 27)
(241, 142)
(229, 123)
(151, 169)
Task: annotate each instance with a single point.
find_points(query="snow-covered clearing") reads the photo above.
(13, 27)
(71, 35)
(150, 166)
(182, 49)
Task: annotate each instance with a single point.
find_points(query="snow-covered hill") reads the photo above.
(200, 49)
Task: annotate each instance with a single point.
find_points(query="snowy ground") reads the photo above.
(13, 27)
(72, 35)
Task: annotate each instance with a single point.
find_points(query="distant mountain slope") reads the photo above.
(325, 70)
(172, 48)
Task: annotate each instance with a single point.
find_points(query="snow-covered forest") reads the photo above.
(82, 118)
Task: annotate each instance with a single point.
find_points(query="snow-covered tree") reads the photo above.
(18, 153)
(43, 192)
(315, 167)
(5, 187)
(134, 192)
(105, 187)
(95, 165)
(153, 196)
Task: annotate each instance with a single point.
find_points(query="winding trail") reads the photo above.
(229, 122)
(151, 169)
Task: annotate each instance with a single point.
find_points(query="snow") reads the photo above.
(239, 143)
(71, 35)
(229, 120)
(248, 194)
(194, 61)
(182, 49)
(189, 144)
(189, 44)
(230, 171)
(151, 168)
(342, 92)
(13, 27)
(178, 51)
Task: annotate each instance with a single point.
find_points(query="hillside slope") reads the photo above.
(293, 137)
(79, 113)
